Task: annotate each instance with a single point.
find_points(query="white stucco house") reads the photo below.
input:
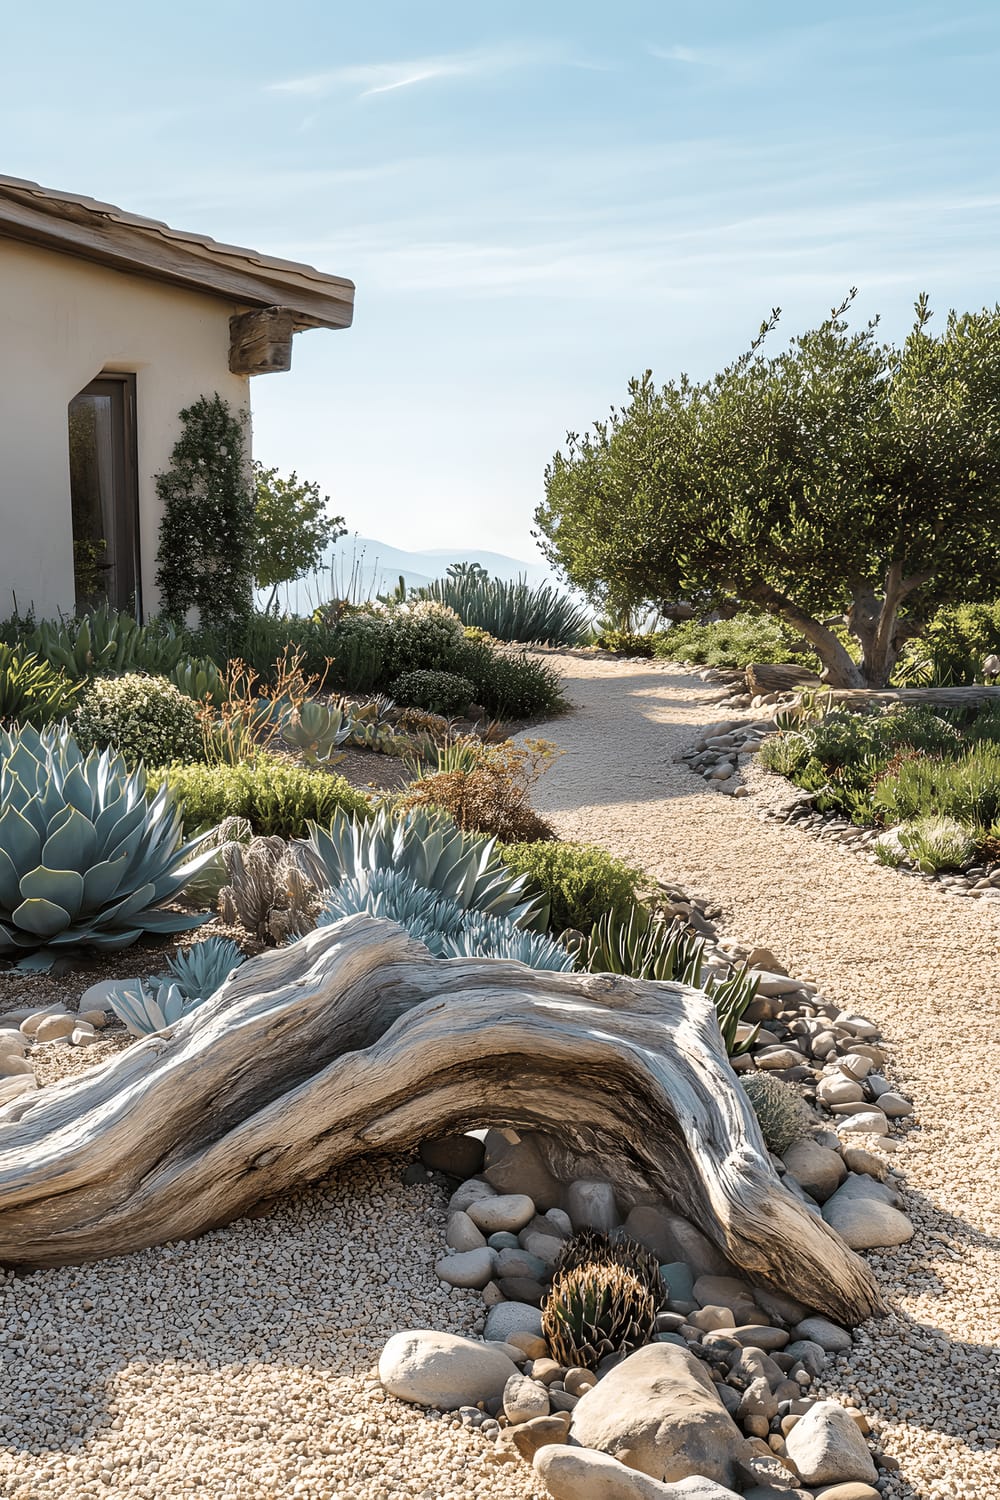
(109, 325)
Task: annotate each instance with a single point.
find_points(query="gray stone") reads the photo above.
(471, 1268)
(539, 1432)
(518, 1262)
(865, 1221)
(579, 1474)
(522, 1289)
(829, 1336)
(462, 1234)
(14, 1066)
(778, 1306)
(561, 1219)
(524, 1399)
(430, 1368)
(12, 1042)
(858, 1159)
(809, 1354)
(826, 1447)
(759, 1336)
(510, 1211)
(815, 1168)
(512, 1317)
(590, 1204)
(13, 1088)
(723, 1291)
(660, 1406)
(457, 1155)
(894, 1105)
(504, 1240)
(514, 1164)
(679, 1281)
(470, 1192)
(836, 1089)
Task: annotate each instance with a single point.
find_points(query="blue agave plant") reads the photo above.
(427, 846)
(198, 971)
(482, 936)
(85, 857)
(146, 1009)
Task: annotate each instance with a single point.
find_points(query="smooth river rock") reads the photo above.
(816, 1168)
(509, 1211)
(660, 1407)
(508, 1318)
(469, 1268)
(826, 1447)
(863, 1219)
(444, 1370)
(581, 1474)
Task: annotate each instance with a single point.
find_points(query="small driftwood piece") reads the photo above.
(354, 1041)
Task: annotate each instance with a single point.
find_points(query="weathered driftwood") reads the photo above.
(942, 697)
(355, 1041)
(770, 677)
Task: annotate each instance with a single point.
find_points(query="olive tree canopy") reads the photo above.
(843, 476)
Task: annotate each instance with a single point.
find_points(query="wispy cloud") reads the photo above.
(691, 55)
(387, 77)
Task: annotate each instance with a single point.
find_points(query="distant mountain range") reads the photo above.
(360, 568)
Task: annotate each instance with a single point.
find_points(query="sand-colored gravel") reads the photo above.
(925, 967)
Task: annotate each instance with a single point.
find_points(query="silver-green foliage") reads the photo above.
(427, 846)
(445, 927)
(198, 971)
(146, 1008)
(513, 611)
(85, 856)
(199, 678)
(782, 1113)
(931, 843)
(144, 718)
(317, 730)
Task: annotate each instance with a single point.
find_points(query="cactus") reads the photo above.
(603, 1300)
(782, 1113)
(268, 891)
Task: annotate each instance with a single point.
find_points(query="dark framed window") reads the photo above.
(104, 494)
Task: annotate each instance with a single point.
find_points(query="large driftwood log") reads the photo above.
(355, 1041)
(770, 677)
(942, 697)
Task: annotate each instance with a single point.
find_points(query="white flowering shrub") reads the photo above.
(144, 718)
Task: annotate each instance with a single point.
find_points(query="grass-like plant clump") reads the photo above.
(933, 775)
(512, 610)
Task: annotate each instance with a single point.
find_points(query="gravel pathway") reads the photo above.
(925, 968)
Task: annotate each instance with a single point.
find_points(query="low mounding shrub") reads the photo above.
(439, 692)
(32, 692)
(511, 684)
(781, 1111)
(487, 788)
(931, 843)
(582, 882)
(512, 611)
(143, 718)
(273, 796)
(628, 642)
(737, 642)
(966, 789)
(951, 650)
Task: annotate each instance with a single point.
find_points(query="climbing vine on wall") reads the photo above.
(205, 556)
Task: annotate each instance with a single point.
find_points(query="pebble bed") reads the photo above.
(243, 1364)
(925, 971)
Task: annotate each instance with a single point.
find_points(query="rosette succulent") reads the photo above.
(86, 858)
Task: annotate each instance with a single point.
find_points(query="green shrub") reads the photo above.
(32, 692)
(951, 650)
(274, 797)
(582, 881)
(931, 843)
(628, 642)
(511, 684)
(966, 789)
(439, 692)
(143, 718)
(737, 642)
(512, 611)
(782, 1113)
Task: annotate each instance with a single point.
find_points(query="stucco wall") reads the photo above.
(62, 322)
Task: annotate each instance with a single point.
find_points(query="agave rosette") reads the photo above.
(85, 857)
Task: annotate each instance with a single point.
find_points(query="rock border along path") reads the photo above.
(927, 972)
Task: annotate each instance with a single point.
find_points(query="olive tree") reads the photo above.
(844, 477)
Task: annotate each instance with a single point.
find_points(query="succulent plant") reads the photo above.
(645, 949)
(604, 1299)
(481, 936)
(198, 971)
(317, 730)
(269, 893)
(427, 915)
(32, 691)
(106, 640)
(198, 677)
(428, 847)
(86, 858)
(150, 1007)
(782, 1113)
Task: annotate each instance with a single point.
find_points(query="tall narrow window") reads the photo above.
(104, 494)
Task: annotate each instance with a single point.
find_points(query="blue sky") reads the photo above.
(536, 201)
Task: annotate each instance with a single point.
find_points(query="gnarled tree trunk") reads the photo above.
(354, 1040)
